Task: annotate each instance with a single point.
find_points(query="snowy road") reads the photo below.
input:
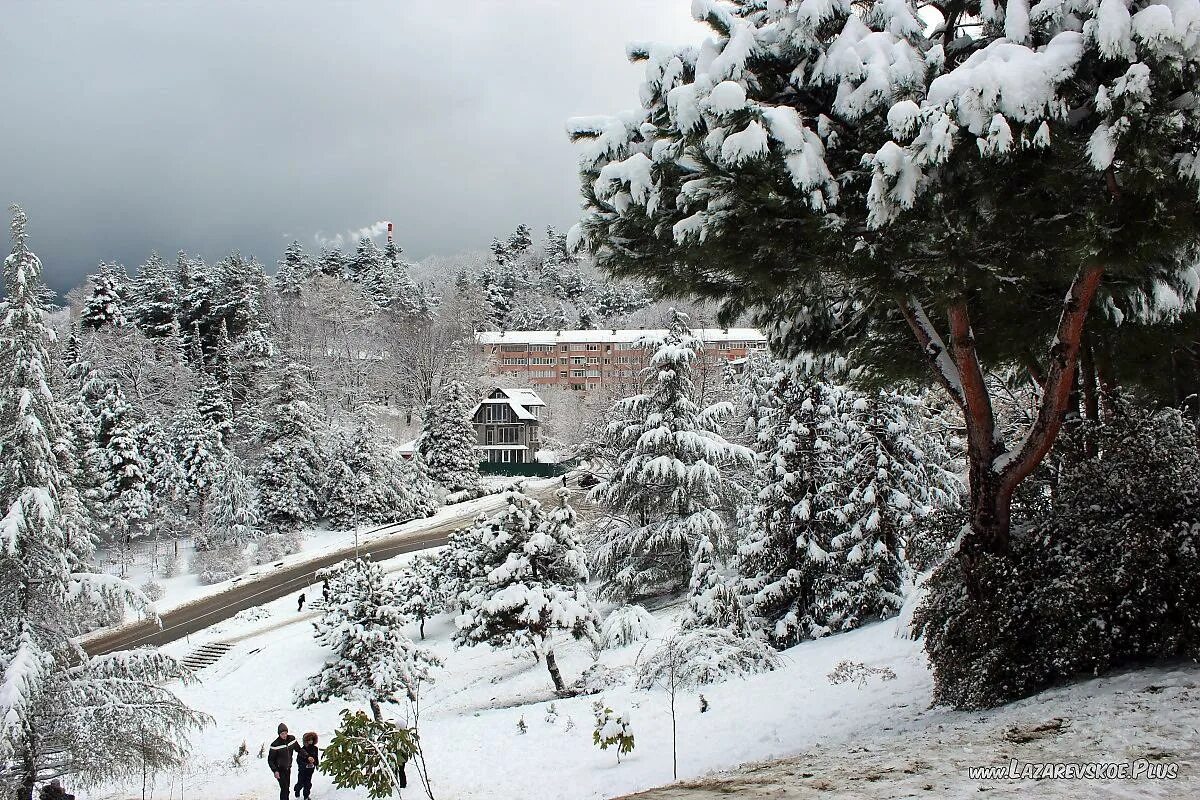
(287, 576)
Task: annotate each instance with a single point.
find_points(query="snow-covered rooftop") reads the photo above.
(609, 336)
(519, 400)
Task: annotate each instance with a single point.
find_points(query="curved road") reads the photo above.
(283, 579)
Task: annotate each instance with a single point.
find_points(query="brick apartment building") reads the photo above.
(591, 359)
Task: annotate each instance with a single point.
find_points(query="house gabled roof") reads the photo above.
(519, 400)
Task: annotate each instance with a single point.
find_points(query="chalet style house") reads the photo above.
(587, 360)
(508, 426)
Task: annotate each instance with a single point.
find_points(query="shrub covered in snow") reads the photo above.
(704, 655)
(153, 590)
(626, 625)
(219, 564)
(1113, 577)
(276, 546)
(612, 730)
(857, 672)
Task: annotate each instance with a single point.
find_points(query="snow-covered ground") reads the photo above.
(855, 735)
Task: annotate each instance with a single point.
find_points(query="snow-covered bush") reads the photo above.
(612, 730)
(599, 677)
(276, 546)
(219, 563)
(1111, 577)
(857, 672)
(626, 625)
(704, 655)
(153, 590)
(421, 588)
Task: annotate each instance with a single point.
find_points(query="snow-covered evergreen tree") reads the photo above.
(533, 582)
(212, 403)
(155, 298)
(107, 303)
(667, 485)
(448, 443)
(421, 587)
(56, 703)
(374, 660)
(120, 498)
(368, 482)
(843, 475)
(199, 453)
(295, 268)
(713, 601)
(889, 477)
(289, 474)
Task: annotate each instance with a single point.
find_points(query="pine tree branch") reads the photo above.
(943, 366)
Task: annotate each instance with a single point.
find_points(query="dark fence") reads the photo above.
(528, 470)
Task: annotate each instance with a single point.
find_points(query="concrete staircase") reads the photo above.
(206, 655)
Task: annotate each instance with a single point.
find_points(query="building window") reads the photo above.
(513, 362)
(593, 348)
(512, 348)
(510, 434)
(496, 412)
(593, 360)
(577, 373)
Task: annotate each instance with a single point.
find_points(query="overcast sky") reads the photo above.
(211, 126)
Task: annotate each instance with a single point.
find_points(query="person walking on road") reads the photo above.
(279, 759)
(308, 759)
(300, 603)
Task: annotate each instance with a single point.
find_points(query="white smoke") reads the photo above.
(350, 238)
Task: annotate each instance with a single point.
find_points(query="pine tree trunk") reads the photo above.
(552, 666)
(376, 711)
(994, 473)
(422, 626)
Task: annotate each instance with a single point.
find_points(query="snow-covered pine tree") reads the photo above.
(889, 477)
(785, 532)
(235, 514)
(155, 298)
(448, 443)
(212, 403)
(532, 583)
(713, 601)
(421, 588)
(422, 489)
(331, 262)
(57, 703)
(889, 156)
(401, 293)
(366, 262)
(295, 268)
(667, 485)
(289, 473)
(119, 496)
(374, 661)
(198, 452)
(107, 305)
(367, 479)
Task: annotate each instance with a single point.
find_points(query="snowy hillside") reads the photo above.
(471, 718)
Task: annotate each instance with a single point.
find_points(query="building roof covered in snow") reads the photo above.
(611, 336)
(519, 400)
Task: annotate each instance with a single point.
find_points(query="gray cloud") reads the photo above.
(212, 126)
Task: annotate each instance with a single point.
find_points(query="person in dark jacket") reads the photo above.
(307, 760)
(300, 602)
(54, 791)
(279, 759)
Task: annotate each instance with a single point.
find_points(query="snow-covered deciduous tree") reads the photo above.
(858, 152)
(289, 476)
(374, 662)
(55, 702)
(448, 443)
(531, 583)
(701, 656)
(667, 487)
